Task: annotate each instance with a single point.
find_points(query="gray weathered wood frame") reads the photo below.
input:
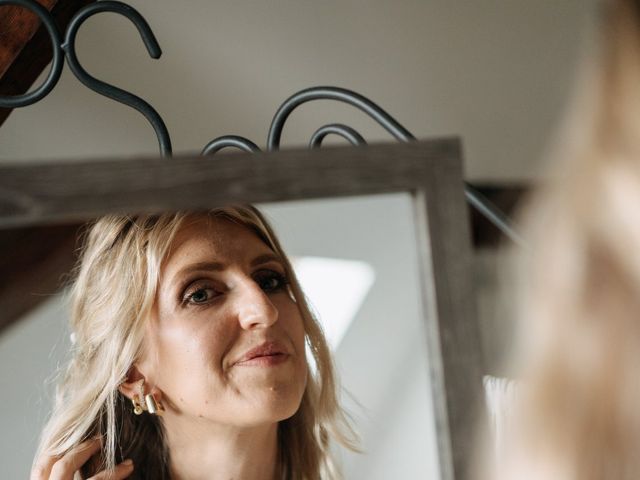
(431, 171)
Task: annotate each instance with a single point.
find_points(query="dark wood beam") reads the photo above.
(25, 47)
(33, 266)
(506, 197)
(17, 26)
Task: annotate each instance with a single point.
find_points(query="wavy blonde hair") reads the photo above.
(115, 285)
(578, 412)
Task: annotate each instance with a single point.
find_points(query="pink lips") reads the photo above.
(266, 354)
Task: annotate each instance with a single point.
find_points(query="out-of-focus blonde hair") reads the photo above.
(115, 285)
(577, 415)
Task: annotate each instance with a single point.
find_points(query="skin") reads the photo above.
(221, 414)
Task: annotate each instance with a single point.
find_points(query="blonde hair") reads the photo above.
(113, 292)
(578, 413)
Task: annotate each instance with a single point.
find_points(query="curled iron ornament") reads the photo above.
(341, 95)
(106, 89)
(339, 129)
(57, 63)
(233, 141)
(473, 196)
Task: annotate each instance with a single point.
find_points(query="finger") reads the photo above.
(121, 472)
(71, 461)
(42, 467)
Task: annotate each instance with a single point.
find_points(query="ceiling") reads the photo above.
(496, 72)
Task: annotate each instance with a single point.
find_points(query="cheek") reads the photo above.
(292, 322)
(193, 349)
(191, 373)
(295, 330)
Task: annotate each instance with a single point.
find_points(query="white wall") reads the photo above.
(29, 355)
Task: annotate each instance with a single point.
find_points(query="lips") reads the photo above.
(266, 352)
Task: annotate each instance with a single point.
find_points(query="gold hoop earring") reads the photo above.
(146, 402)
(137, 406)
(153, 407)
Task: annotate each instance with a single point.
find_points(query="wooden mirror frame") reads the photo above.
(49, 192)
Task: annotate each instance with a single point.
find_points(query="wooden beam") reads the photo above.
(17, 26)
(25, 47)
(507, 197)
(33, 266)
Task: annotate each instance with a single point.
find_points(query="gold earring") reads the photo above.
(137, 400)
(153, 407)
(137, 406)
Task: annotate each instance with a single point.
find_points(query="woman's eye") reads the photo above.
(271, 281)
(200, 295)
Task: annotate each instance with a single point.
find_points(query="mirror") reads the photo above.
(356, 259)
(396, 260)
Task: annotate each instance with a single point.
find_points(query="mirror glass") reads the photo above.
(357, 261)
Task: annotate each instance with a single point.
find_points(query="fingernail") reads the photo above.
(128, 462)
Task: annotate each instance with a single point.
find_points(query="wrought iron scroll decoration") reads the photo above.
(67, 49)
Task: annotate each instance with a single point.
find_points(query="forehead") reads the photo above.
(207, 239)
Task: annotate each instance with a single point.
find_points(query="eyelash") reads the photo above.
(269, 275)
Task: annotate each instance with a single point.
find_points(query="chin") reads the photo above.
(278, 408)
(273, 406)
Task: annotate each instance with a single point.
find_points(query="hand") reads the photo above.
(64, 467)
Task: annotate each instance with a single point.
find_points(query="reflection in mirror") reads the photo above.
(356, 260)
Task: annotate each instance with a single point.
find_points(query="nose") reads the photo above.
(255, 308)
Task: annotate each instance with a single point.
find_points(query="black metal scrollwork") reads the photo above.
(343, 131)
(104, 88)
(473, 196)
(233, 141)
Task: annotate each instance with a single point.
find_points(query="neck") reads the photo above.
(200, 449)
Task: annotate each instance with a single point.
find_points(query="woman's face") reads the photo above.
(226, 341)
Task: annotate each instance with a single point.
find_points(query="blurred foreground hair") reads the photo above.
(577, 416)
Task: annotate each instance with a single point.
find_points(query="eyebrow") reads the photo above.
(218, 266)
(266, 258)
